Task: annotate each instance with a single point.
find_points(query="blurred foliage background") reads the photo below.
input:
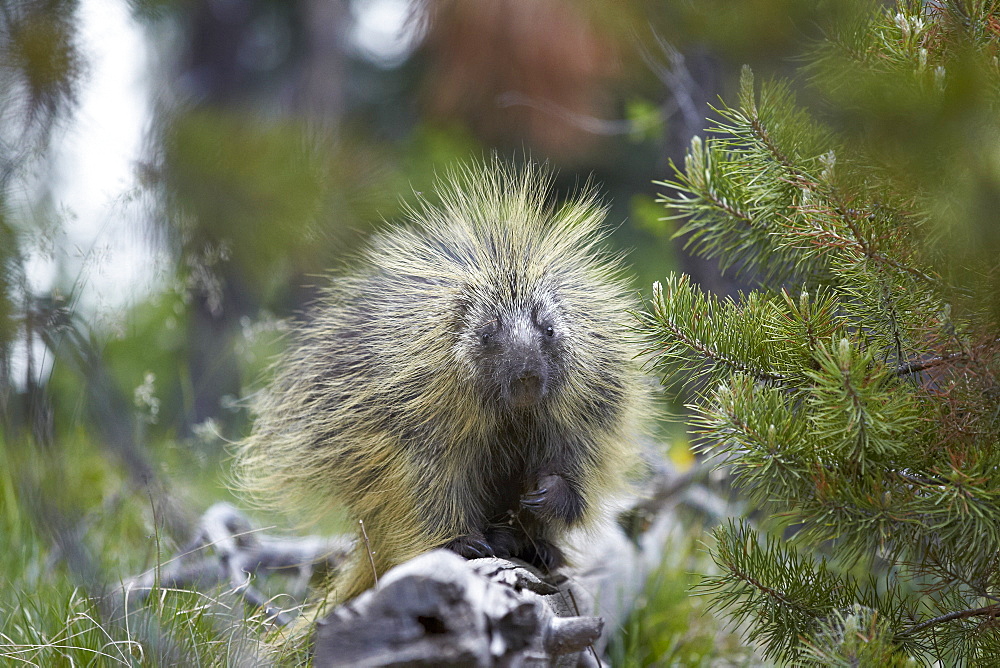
(275, 135)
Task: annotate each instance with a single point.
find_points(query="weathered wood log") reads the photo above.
(441, 610)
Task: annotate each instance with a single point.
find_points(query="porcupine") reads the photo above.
(470, 383)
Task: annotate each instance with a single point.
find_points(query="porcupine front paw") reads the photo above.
(542, 554)
(554, 499)
(472, 546)
(507, 541)
(497, 541)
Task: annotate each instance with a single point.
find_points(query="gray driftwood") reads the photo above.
(226, 550)
(441, 610)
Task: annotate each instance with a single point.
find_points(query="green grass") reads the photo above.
(671, 627)
(48, 618)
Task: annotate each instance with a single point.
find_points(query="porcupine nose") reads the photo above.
(529, 380)
(526, 369)
(528, 389)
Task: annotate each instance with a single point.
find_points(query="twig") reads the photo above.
(985, 611)
(576, 611)
(923, 365)
(677, 78)
(368, 550)
(597, 126)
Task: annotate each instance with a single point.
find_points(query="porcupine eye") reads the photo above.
(487, 331)
(549, 331)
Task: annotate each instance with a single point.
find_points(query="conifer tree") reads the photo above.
(855, 394)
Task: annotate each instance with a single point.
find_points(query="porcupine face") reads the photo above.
(518, 345)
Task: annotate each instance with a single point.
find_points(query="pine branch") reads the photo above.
(680, 326)
(786, 595)
(725, 206)
(859, 410)
(749, 115)
(715, 356)
(853, 239)
(866, 249)
(751, 197)
(858, 636)
(719, 211)
(969, 354)
(755, 427)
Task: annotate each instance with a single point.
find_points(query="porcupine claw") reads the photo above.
(470, 547)
(555, 498)
(535, 499)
